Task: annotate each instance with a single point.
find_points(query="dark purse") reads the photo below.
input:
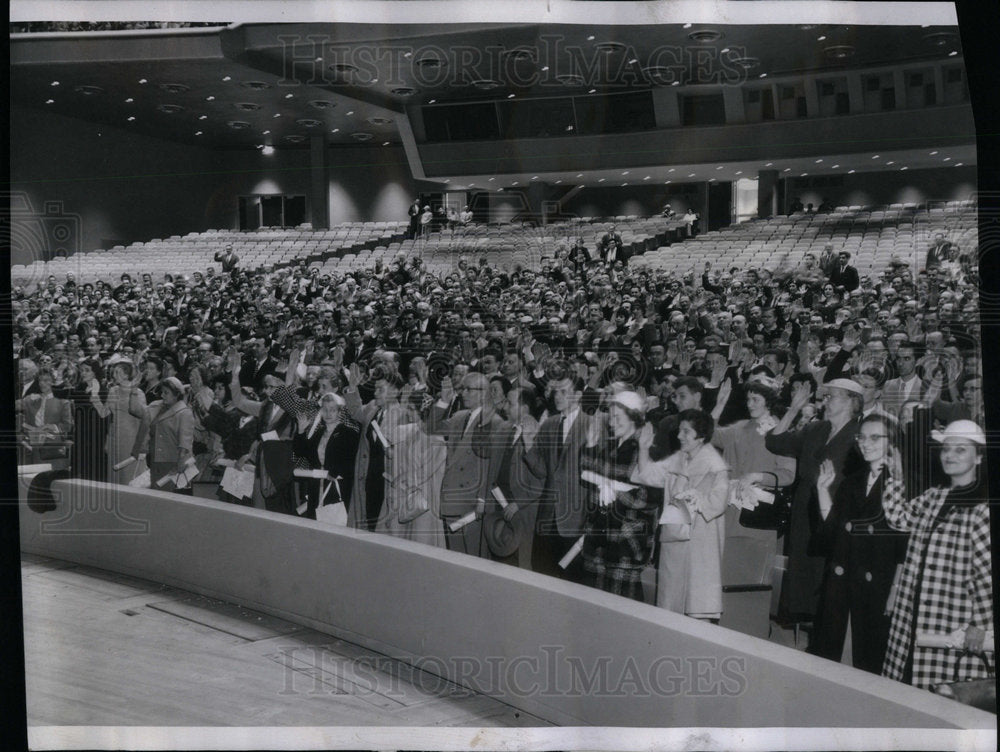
(773, 516)
(978, 693)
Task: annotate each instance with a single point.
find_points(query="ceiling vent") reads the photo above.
(344, 68)
(170, 109)
(941, 39)
(746, 63)
(247, 106)
(322, 104)
(378, 120)
(486, 84)
(308, 123)
(659, 74)
(570, 79)
(238, 125)
(429, 62)
(255, 85)
(404, 91)
(89, 90)
(360, 136)
(839, 52)
(519, 54)
(175, 88)
(295, 138)
(609, 48)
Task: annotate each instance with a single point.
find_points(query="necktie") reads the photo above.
(40, 415)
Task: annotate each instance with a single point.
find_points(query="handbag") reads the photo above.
(978, 693)
(773, 516)
(413, 505)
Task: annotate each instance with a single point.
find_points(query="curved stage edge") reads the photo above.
(563, 652)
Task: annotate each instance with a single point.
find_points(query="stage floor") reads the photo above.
(105, 649)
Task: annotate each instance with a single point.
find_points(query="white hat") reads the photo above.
(848, 385)
(961, 429)
(630, 401)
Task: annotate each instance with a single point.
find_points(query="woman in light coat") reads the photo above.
(692, 527)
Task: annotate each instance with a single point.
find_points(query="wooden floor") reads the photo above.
(110, 650)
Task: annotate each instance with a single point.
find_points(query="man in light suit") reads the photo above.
(474, 452)
(555, 459)
(907, 387)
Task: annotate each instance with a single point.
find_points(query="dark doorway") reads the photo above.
(720, 205)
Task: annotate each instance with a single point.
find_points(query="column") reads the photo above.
(767, 193)
(319, 192)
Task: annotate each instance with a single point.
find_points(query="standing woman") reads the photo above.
(88, 456)
(126, 405)
(330, 443)
(689, 579)
(863, 552)
(947, 579)
(171, 432)
(620, 526)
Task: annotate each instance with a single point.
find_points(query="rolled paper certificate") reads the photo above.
(310, 473)
(462, 522)
(572, 553)
(270, 436)
(223, 462)
(498, 495)
(954, 639)
(165, 480)
(597, 479)
(302, 508)
(124, 463)
(764, 497)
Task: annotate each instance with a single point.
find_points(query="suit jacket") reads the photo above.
(557, 464)
(58, 412)
(846, 277)
(893, 391)
(473, 461)
(253, 375)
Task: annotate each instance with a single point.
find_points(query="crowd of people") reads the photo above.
(588, 419)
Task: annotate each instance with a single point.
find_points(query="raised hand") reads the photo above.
(725, 391)
(447, 389)
(827, 475)
(800, 396)
(851, 339)
(353, 376)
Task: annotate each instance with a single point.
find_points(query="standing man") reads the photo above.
(555, 459)
(473, 462)
(228, 259)
(843, 274)
(414, 211)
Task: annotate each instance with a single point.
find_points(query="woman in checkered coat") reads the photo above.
(946, 582)
(621, 522)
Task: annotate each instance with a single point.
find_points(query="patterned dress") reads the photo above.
(619, 538)
(946, 584)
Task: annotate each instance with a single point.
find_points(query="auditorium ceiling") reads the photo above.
(246, 85)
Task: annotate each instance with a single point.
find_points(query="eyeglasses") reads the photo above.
(875, 437)
(470, 389)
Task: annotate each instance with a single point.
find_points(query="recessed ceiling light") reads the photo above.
(335, 130)
(319, 59)
(704, 36)
(719, 167)
(834, 167)
(343, 68)
(624, 184)
(265, 132)
(687, 26)
(818, 161)
(407, 54)
(129, 100)
(876, 156)
(739, 172)
(50, 101)
(676, 83)
(534, 177)
(277, 114)
(432, 101)
(203, 117)
(933, 153)
(711, 180)
(591, 38)
(787, 169)
(953, 53)
(514, 183)
(374, 81)
(486, 84)
(625, 172)
(891, 162)
(267, 150)
(350, 112)
(289, 96)
(238, 125)
(247, 106)
(54, 83)
(143, 81)
(600, 180)
(579, 174)
(850, 172)
(209, 98)
(666, 182)
(379, 120)
(769, 164)
(511, 96)
(198, 133)
(255, 85)
(131, 118)
(691, 175)
(647, 177)
(224, 78)
(544, 68)
(839, 52)
(821, 38)
(491, 180)
(558, 182)
(904, 168)
(724, 50)
(362, 136)
(671, 169)
(592, 91)
(804, 174)
(947, 159)
(762, 75)
(385, 143)
(958, 164)
(633, 61)
(746, 63)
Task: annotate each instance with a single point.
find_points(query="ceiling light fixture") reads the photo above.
(129, 100)
(209, 98)
(224, 78)
(704, 36)
(50, 101)
(54, 83)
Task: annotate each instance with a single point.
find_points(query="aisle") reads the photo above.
(107, 649)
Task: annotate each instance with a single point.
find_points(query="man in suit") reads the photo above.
(907, 387)
(473, 461)
(555, 459)
(843, 274)
(938, 252)
(228, 259)
(612, 247)
(257, 364)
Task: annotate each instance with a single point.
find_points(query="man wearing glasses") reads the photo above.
(472, 462)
